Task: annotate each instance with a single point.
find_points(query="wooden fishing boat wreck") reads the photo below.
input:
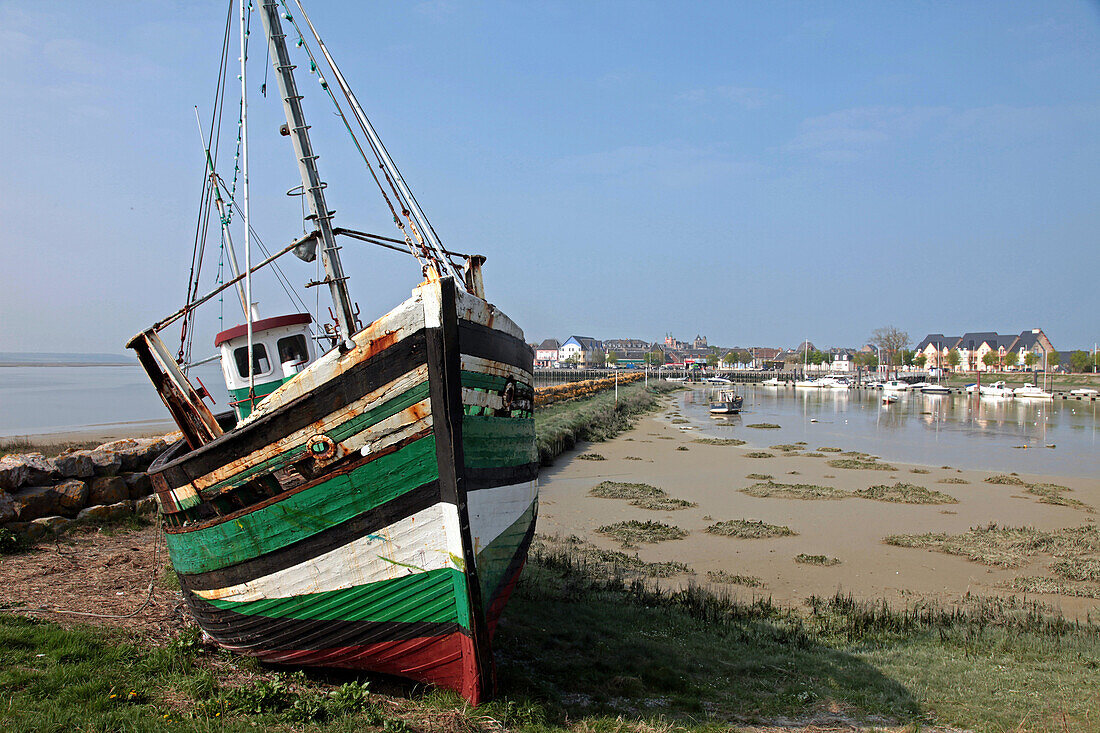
(370, 507)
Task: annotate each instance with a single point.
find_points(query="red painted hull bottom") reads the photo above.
(446, 661)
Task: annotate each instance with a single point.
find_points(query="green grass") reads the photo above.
(749, 529)
(586, 646)
(831, 450)
(764, 426)
(952, 480)
(1005, 480)
(823, 560)
(718, 441)
(632, 532)
(760, 476)
(902, 493)
(919, 470)
(759, 454)
(1012, 547)
(591, 457)
(787, 447)
(770, 489)
(560, 426)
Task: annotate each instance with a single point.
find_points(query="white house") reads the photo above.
(582, 347)
(546, 355)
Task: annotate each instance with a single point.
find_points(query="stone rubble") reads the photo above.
(41, 495)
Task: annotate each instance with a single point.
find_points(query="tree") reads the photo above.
(1031, 359)
(612, 358)
(953, 358)
(573, 359)
(596, 358)
(1080, 361)
(1012, 358)
(712, 359)
(1053, 359)
(655, 357)
(990, 358)
(920, 360)
(908, 356)
(891, 340)
(866, 359)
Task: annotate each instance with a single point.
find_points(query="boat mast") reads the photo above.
(244, 189)
(307, 166)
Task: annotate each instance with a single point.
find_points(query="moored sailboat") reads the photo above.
(372, 507)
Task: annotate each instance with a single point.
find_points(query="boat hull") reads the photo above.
(375, 512)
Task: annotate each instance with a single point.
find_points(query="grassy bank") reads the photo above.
(558, 427)
(589, 645)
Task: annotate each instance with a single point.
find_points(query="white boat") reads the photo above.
(921, 385)
(814, 383)
(1031, 392)
(773, 382)
(936, 389)
(895, 385)
(997, 389)
(875, 384)
(1084, 392)
(676, 379)
(972, 388)
(834, 383)
(889, 398)
(717, 380)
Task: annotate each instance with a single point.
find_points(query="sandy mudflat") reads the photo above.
(99, 433)
(851, 529)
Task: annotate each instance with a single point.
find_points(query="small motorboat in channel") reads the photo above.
(1031, 392)
(728, 403)
(997, 389)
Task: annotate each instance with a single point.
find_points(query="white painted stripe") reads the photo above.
(482, 399)
(427, 540)
(367, 402)
(433, 304)
(492, 511)
(495, 368)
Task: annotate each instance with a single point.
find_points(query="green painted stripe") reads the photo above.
(341, 432)
(420, 597)
(490, 442)
(491, 382)
(305, 513)
(244, 409)
(494, 558)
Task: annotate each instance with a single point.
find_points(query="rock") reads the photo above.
(37, 501)
(72, 495)
(136, 454)
(52, 524)
(102, 512)
(75, 464)
(7, 507)
(27, 530)
(138, 484)
(105, 462)
(108, 490)
(28, 469)
(146, 505)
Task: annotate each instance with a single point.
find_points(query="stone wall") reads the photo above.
(40, 495)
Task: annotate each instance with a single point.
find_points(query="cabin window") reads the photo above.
(293, 349)
(260, 363)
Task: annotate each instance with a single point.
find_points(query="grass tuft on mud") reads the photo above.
(861, 464)
(903, 493)
(632, 532)
(728, 578)
(822, 560)
(952, 480)
(763, 426)
(663, 503)
(591, 457)
(622, 490)
(1012, 547)
(771, 489)
(718, 441)
(759, 454)
(749, 529)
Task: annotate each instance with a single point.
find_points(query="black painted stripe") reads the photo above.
(359, 380)
(488, 343)
(517, 561)
(490, 478)
(266, 634)
(369, 522)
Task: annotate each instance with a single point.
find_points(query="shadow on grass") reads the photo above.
(590, 645)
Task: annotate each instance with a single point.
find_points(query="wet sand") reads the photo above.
(98, 433)
(850, 529)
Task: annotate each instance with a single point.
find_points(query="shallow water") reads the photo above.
(47, 399)
(955, 430)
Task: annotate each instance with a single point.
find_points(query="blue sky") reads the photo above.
(756, 172)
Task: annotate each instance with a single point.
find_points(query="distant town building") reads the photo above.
(546, 355)
(584, 348)
(973, 347)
